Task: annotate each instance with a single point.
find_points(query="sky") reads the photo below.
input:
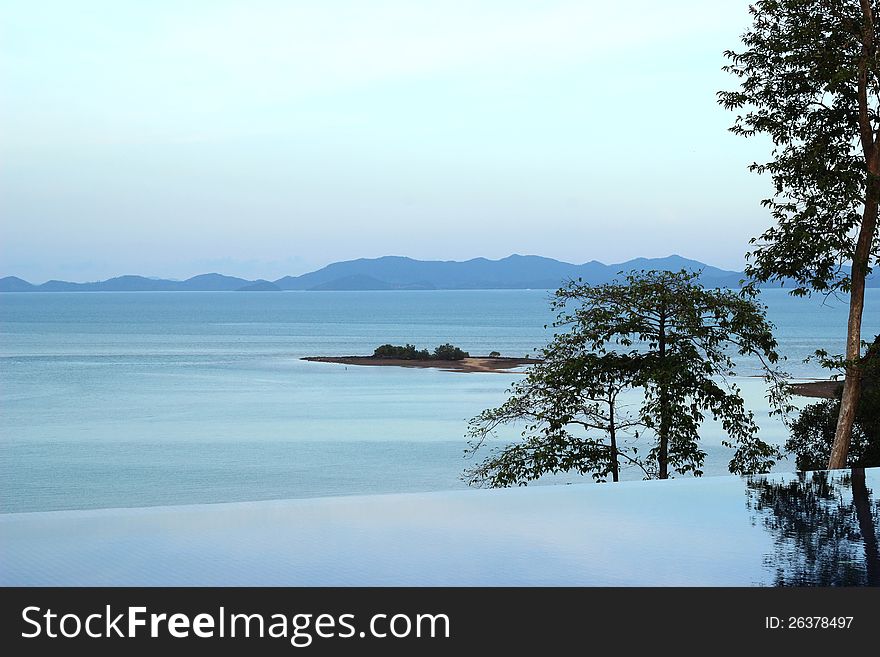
(261, 138)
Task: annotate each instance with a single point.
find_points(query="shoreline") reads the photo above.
(499, 364)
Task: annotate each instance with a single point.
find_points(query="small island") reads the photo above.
(446, 357)
(450, 358)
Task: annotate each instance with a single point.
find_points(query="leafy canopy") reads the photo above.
(659, 334)
(799, 84)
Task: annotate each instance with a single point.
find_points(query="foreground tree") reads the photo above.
(568, 404)
(812, 434)
(661, 333)
(810, 80)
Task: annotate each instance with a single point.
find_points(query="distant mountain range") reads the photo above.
(515, 272)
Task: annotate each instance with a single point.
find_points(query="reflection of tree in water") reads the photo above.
(824, 527)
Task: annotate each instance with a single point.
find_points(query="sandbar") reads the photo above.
(500, 364)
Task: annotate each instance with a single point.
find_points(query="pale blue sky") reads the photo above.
(269, 137)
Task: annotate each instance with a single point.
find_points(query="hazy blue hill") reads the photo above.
(354, 282)
(288, 283)
(259, 286)
(514, 272)
(15, 284)
(131, 284)
(673, 263)
(398, 272)
(215, 282)
(118, 284)
(711, 276)
(62, 286)
(202, 282)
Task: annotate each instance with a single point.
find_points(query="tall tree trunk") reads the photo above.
(867, 528)
(612, 436)
(852, 385)
(663, 456)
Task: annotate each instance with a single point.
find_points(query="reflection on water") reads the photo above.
(824, 527)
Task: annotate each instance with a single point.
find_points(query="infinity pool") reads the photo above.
(813, 529)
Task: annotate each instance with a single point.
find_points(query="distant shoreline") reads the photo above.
(499, 364)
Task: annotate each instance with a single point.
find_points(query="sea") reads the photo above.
(112, 400)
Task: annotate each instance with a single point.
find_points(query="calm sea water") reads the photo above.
(139, 399)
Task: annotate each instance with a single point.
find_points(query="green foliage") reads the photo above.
(568, 406)
(660, 333)
(812, 433)
(449, 352)
(409, 352)
(494, 354)
(799, 77)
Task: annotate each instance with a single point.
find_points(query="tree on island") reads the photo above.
(449, 352)
(409, 352)
(810, 80)
(659, 333)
